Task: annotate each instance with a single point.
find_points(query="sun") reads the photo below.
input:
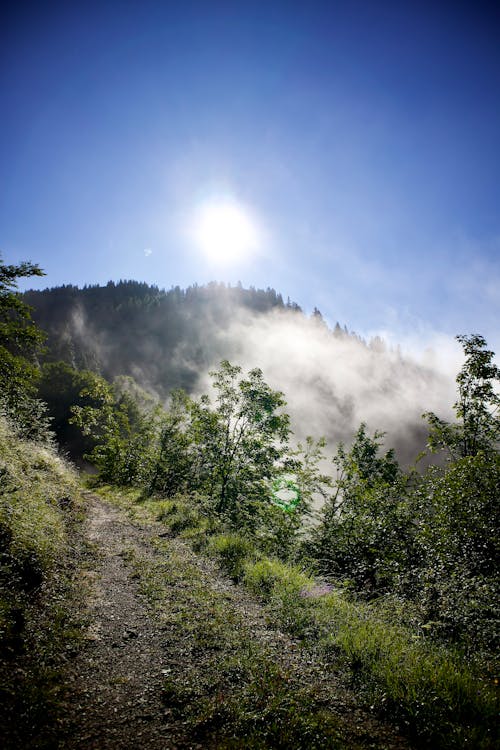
(225, 231)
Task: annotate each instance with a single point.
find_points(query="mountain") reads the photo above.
(157, 336)
(332, 379)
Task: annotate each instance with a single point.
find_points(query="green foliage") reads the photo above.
(279, 532)
(428, 541)
(312, 482)
(172, 459)
(442, 701)
(430, 538)
(226, 452)
(40, 513)
(431, 690)
(427, 538)
(231, 551)
(62, 387)
(32, 532)
(122, 434)
(417, 551)
(477, 406)
(282, 531)
(285, 587)
(456, 581)
(363, 532)
(20, 343)
(454, 575)
(238, 442)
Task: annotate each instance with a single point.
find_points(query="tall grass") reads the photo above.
(40, 512)
(442, 701)
(429, 689)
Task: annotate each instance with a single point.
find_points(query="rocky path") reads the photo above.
(117, 680)
(151, 664)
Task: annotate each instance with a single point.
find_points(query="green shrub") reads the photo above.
(165, 509)
(231, 551)
(267, 577)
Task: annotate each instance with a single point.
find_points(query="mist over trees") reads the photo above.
(163, 338)
(409, 552)
(171, 339)
(425, 538)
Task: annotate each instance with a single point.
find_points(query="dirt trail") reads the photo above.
(117, 679)
(116, 696)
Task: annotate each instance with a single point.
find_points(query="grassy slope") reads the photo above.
(232, 681)
(40, 514)
(442, 702)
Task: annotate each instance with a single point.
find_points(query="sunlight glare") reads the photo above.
(225, 232)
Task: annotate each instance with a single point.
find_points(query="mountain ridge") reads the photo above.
(332, 378)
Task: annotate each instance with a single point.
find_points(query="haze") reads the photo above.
(363, 137)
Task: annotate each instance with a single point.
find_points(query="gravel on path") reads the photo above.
(115, 698)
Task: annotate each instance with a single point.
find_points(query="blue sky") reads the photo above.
(361, 137)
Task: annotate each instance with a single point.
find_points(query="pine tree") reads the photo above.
(20, 342)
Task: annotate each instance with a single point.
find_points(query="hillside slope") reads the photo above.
(41, 552)
(165, 340)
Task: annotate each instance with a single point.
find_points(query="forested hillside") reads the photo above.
(384, 577)
(333, 380)
(164, 338)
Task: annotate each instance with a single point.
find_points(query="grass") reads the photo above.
(40, 515)
(231, 552)
(228, 687)
(429, 688)
(431, 691)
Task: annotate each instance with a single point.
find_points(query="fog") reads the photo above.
(333, 383)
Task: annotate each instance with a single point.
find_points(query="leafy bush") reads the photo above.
(458, 549)
(428, 688)
(365, 533)
(231, 551)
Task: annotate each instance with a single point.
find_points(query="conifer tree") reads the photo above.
(20, 342)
